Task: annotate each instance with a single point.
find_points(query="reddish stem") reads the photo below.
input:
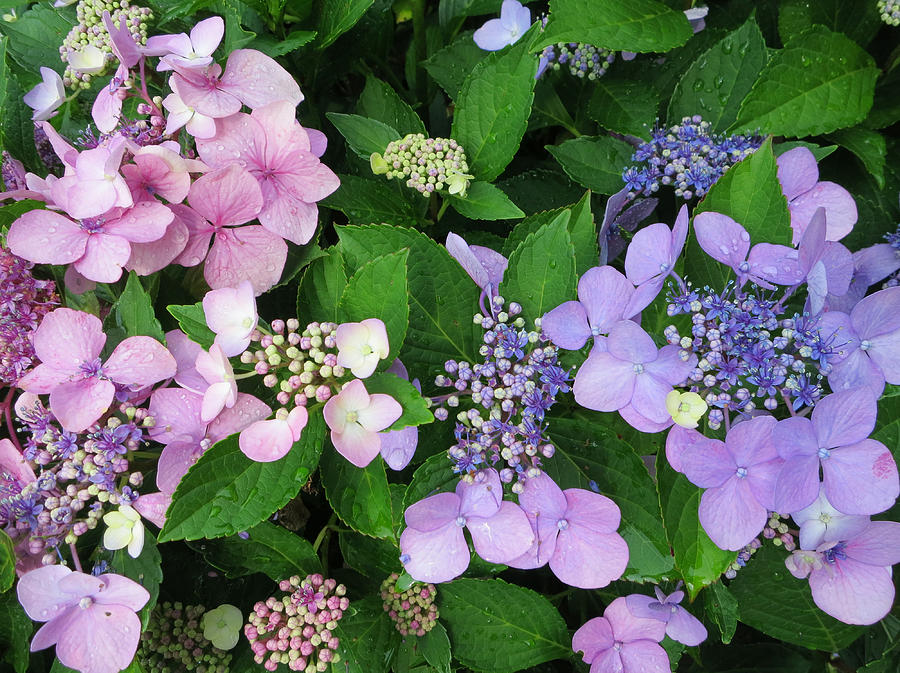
(6, 405)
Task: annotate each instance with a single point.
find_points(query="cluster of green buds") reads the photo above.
(87, 47)
(412, 609)
(890, 11)
(583, 60)
(176, 640)
(427, 164)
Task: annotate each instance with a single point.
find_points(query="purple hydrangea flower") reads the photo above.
(495, 34)
(680, 624)
(821, 522)
(485, 266)
(620, 642)
(651, 259)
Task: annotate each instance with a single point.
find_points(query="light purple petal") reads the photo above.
(586, 559)
(604, 292)
(649, 397)
(797, 172)
(857, 370)
(628, 342)
(877, 544)
(435, 556)
(730, 515)
(592, 638)
(503, 536)
(591, 511)
(649, 253)
(840, 210)
(39, 595)
(644, 656)
(669, 366)
(627, 628)
(433, 512)
(680, 441)
(794, 437)
(642, 423)
(750, 441)
(104, 639)
(855, 593)
(174, 462)
(542, 497)
(492, 36)
(604, 383)
(493, 263)
(78, 404)
(120, 590)
(399, 446)
(879, 313)
(844, 417)
(707, 463)
(722, 238)
(685, 628)
(797, 485)
(481, 498)
(567, 326)
(861, 478)
(647, 607)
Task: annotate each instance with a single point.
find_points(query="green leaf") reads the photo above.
(225, 492)
(7, 562)
(442, 298)
(785, 610)
(435, 647)
(450, 66)
(146, 570)
(16, 127)
(368, 639)
(365, 201)
(360, 496)
(337, 17)
(541, 271)
(699, 561)
(722, 609)
(819, 152)
(750, 194)
(192, 321)
(886, 106)
(415, 408)
(484, 201)
(373, 557)
(493, 107)
(34, 39)
(298, 258)
(380, 102)
(15, 632)
(363, 135)
(134, 311)
(636, 25)
(820, 82)
(274, 47)
(268, 548)
(321, 288)
(433, 476)
(590, 456)
(497, 627)
(624, 106)
(858, 21)
(868, 146)
(235, 35)
(594, 162)
(378, 290)
(530, 225)
(718, 81)
(584, 235)
(763, 657)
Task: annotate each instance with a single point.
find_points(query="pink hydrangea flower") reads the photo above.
(620, 642)
(231, 314)
(94, 185)
(80, 385)
(181, 114)
(355, 418)
(215, 368)
(91, 620)
(361, 345)
(47, 96)
(107, 107)
(265, 441)
(183, 51)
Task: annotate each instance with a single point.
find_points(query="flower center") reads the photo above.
(741, 472)
(864, 345)
(824, 453)
(85, 602)
(92, 369)
(562, 524)
(352, 416)
(638, 369)
(461, 521)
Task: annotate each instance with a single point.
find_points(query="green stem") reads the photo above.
(420, 46)
(323, 534)
(443, 209)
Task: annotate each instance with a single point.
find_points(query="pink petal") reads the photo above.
(797, 172)
(862, 478)
(140, 361)
(722, 238)
(174, 462)
(594, 637)
(432, 512)
(258, 80)
(153, 506)
(123, 591)
(144, 222)
(730, 514)
(12, 462)
(45, 237)
(239, 139)
(249, 253)
(265, 441)
(877, 544)
(176, 412)
(207, 34)
(503, 536)
(566, 325)
(435, 556)
(855, 593)
(199, 234)
(43, 379)
(147, 258)
(39, 595)
(626, 627)
(247, 410)
(50, 633)
(380, 413)
(679, 441)
(103, 259)
(103, 639)
(107, 108)
(226, 196)
(205, 95)
(644, 656)
(185, 353)
(66, 338)
(586, 559)
(287, 216)
(77, 405)
(356, 444)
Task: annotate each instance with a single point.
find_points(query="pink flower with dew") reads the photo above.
(215, 368)
(575, 531)
(223, 199)
(231, 314)
(265, 441)
(80, 385)
(251, 78)
(277, 151)
(95, 186)
(47, 96)
(107, 107)
(13, 464)
(355, 418)
(183, 51)
(122, 42)
(91, 620)
(180, 114)
(98, 247)
(619, 642)
(361, 345)
(186, 436)
(153, 506)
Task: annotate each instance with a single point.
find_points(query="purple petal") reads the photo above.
(586, 559)
(680, 441)
(685, 628)
(626, 627)
(628, 342)
(604, 292)
(844, 417)
(708, 464)
(435, 556)
(797, 172)
(731, 515)
(649, 397)
(879, 313)
(481, 498)
(878, 544)
(543, 498)
(649, 253)
(591, 511)
(797, 485)
(875, 263)
(857, 370)
(433, 512)
(642, 423)
(794, 437)
(567, 326)
(644, 656)
(78, 404)
(853, 592)
(604, 383)
(840, 210)
(722, 238)
(861, 478)
(399, 446)
(594, 637)
(750, 441)
(492, 262)
(103, 639)
(777, 264)
(647, 607)
(174, 462)
(503, 536)
(492, 36)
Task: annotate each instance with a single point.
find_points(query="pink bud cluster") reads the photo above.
(412, 610)
(296, 629)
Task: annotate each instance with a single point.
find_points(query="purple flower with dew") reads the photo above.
(575, 532)
(799, 178)
(651, 259)
(495, 34)
(603, 297)
(739, 476)
(859, 474)
(680, 624)
(632, 376)
(485, 266)
(821, 522)
(399, 446)
(851, 579)
(620, 642)
(615, 221)
(868, 348)
(433, 546)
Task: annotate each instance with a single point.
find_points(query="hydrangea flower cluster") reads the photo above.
(890, 11)
(686, 156)
(174, 642)
(87, 49)
(427, 164)
(24, 301)
(297, 629)
(514, 387)
(583, 60)
(412, 610)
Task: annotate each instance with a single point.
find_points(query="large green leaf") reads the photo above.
(433, 476)
(134, 311)
(636, 25)
(541, 271)
(364, 135)
(594, 162)
(699, 561)
(820, 82)
(497, 627)
(435, 647)
(365, 200)
(225, 492)
(7, 562)
(493, 107)
(857, 20)
(266, 548)
(722, 609)
(590, 456)
(584, 235)
(484, 201)
(321, 288)
(192, 321)
(360, 496)
(785, 610)
(379, 101)
(868, 146)
(368, 638)
(415, 408)
(34, 40)
(378, 290)
(718, 81)
(336, 17)
(450, 66)
(624, 105)
(15, 632)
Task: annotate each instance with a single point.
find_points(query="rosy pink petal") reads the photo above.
(45, 237)
(248, 409)
(217, 397)
(12, 462)
(566, 325)
(207, 35)
(257, 80)
(120, 590)
(176, 413)
(76, 283)
(381, 412)
(853, 592)
(199, 234)
(206, 96)
(185, 353)
(227, 196)
(67, 154)
(586, 559)
(722, 238)
(644, 656)
(432, 512)
(265, 441)
(249, 253)
(287, 216)
(481, 498)
(840, 210)
(861, 478)
(594, 637)
(67, 338)
(437, 555)
(626, 627)
(503, 536)
(103, 639)
(153, 506)
(107, 108)
(144, 222)
(242, 140)
(730, 515)
(43, 379)
(797, 172)
(103, 259)
(77, 405)
(171, 182)
(140, 361)
(174, 462)
(122, 43)
(356, 444)
(318, 141)
(300, 174)
(283, 132)
(604, 292)
(147, 258)
(49, 633)
(39, 594)
(604, 382)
